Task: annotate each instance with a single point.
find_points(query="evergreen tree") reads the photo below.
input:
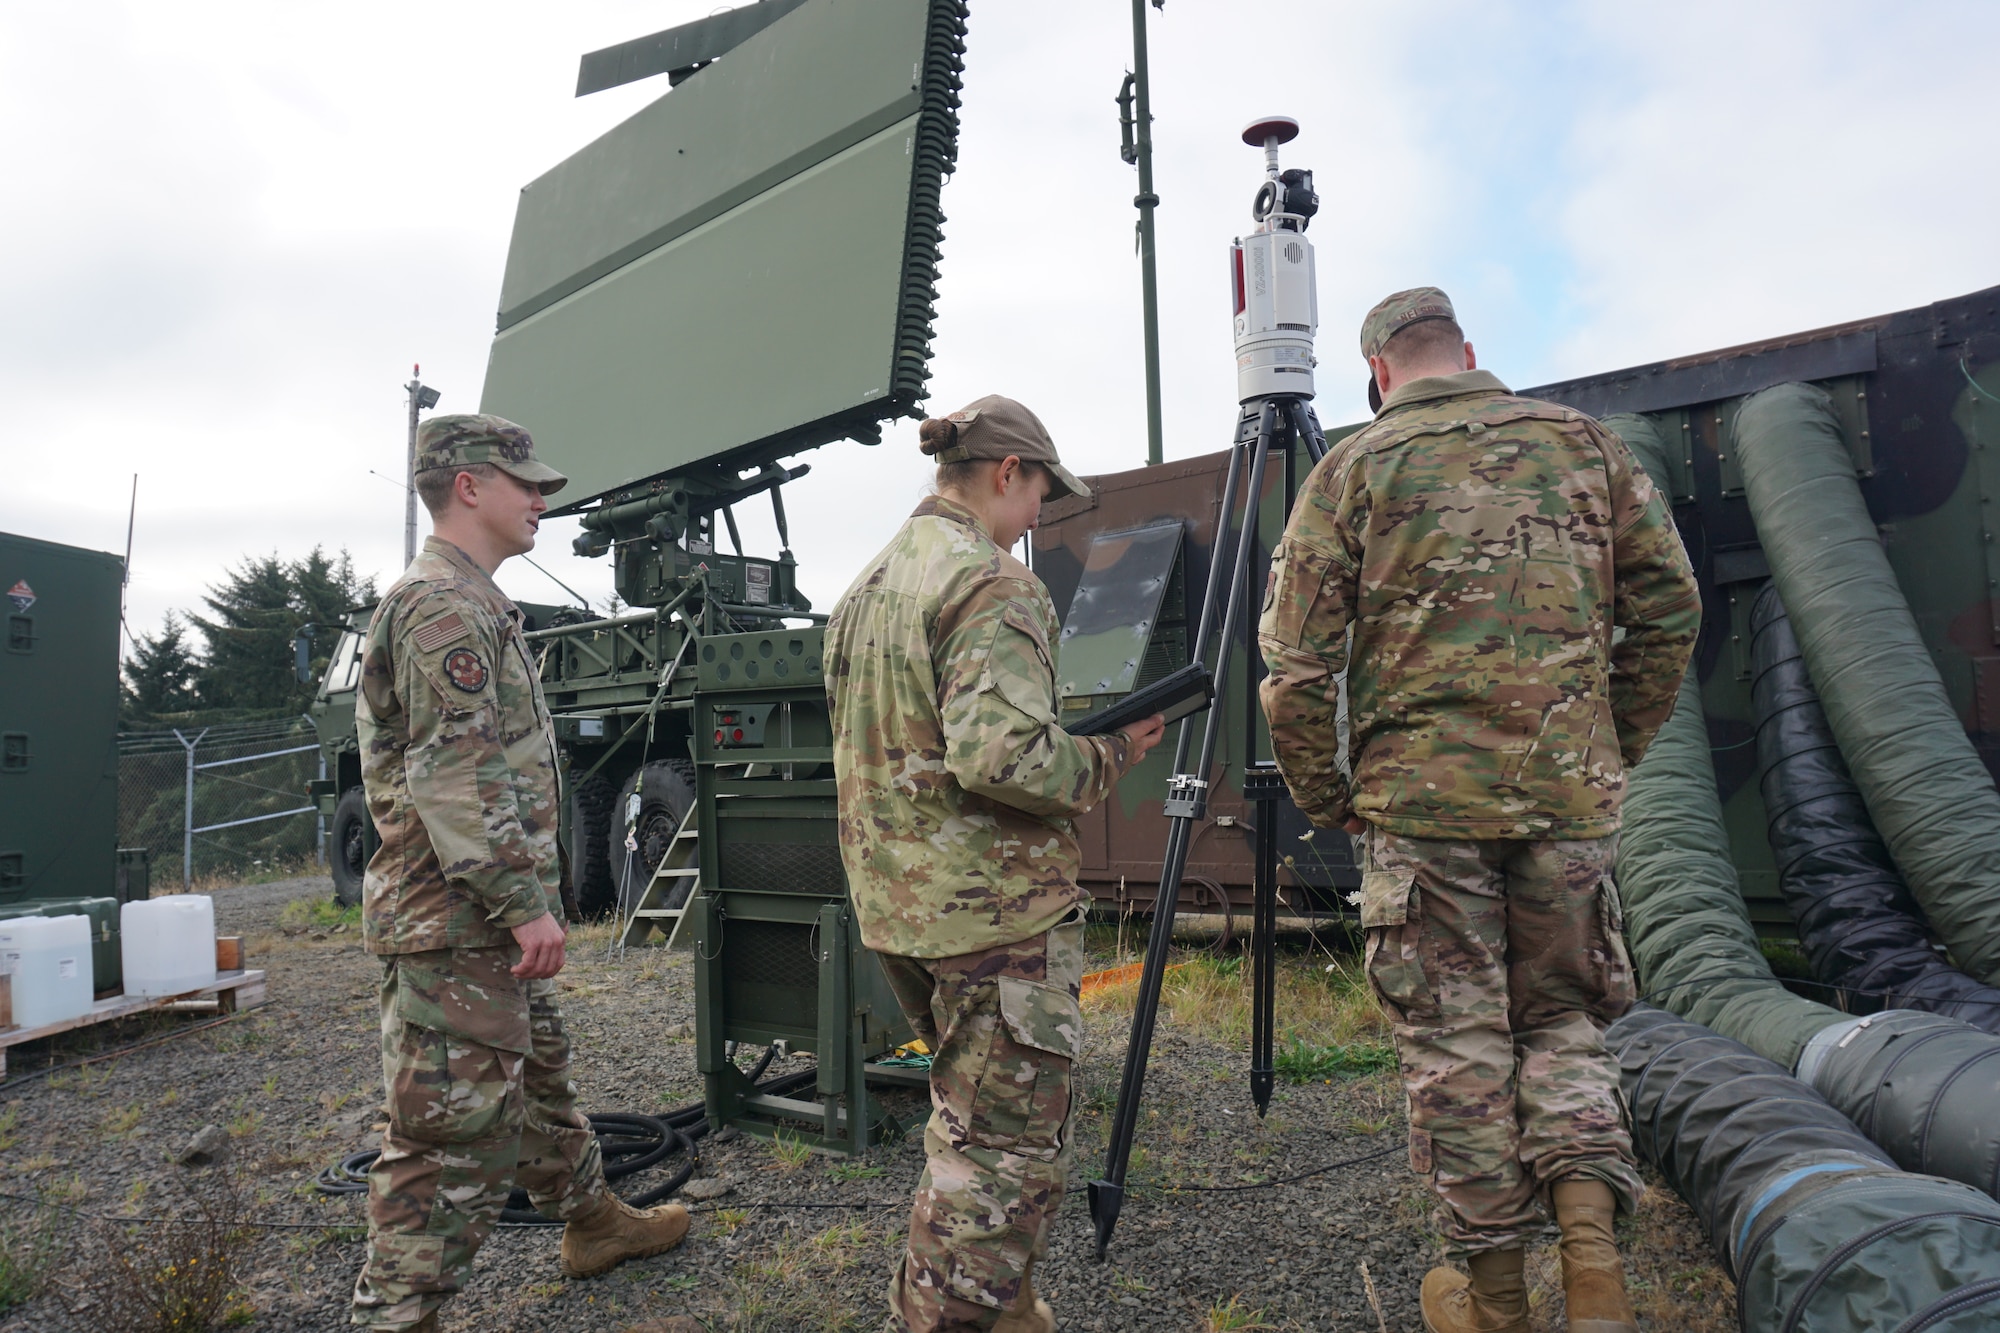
(324, 590)
(247, 662)
(255, 614)
(160, 676)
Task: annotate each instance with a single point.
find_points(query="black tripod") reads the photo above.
(1277, 422)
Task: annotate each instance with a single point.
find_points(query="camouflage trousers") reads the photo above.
(1005, 1030)
(476, 1067)
(1500, 962)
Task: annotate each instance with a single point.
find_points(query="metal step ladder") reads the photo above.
(679, 866)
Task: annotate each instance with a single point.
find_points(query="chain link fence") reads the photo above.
(221, 801)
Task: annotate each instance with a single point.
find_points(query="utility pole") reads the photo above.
(421, 398)
(1135, 106)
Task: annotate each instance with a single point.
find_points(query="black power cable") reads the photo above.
(630, 1143)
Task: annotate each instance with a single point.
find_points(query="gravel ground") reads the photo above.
(297, 1085)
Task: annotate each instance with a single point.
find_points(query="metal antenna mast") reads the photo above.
(1135, 120)
(422, 398)
(1276, 313)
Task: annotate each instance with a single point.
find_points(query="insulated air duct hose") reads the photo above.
(1930, 796)
(1861, 929)
(1921, 1085)
(1815, 1225)
(1691, 939)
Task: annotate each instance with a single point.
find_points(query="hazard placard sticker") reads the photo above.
(21, 595)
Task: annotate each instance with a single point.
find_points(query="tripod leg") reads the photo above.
(1262, 786)
(1306, 422)
(1187, 801)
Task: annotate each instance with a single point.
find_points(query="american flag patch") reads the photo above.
(435, 634)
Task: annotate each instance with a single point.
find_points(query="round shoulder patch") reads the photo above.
(465, 670)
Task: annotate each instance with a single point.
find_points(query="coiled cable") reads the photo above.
(629, 1142)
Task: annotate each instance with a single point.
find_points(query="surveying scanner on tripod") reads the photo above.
(1276, 312)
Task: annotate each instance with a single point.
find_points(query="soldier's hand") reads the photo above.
(1143, 736)
(1356, 825)
(541, 942)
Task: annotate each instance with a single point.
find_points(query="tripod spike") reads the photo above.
(1106, 1199)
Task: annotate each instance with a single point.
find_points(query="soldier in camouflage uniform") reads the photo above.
(461, 902)
(1466, 560)
(956, 790)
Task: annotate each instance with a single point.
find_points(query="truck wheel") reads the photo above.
(666, 790)
(590, 804)
(347, 846)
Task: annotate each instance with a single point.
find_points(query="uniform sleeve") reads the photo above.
(1308, 604)
(459, 778)
(996, 699)
(1656, 603)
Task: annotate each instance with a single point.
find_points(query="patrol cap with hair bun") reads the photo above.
(995, 427)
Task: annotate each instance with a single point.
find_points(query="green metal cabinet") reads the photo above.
(58, 721)
(777, 955)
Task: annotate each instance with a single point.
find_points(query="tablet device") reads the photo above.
(1185, 691)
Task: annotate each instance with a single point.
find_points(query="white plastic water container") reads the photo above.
(168, 944)
(49, 959)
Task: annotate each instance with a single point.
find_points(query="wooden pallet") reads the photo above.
(233, 990)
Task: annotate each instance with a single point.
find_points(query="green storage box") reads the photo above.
(106, 963)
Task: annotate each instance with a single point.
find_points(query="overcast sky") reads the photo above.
(230, 229)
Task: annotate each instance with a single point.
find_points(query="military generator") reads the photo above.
(59, 850)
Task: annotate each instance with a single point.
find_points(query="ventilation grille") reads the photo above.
(936, 155)
(782, 867)
(763, 957)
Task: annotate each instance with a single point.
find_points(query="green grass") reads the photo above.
(850, 1171)
(319, 914)
(1304, 1062)
(1787, 959)
(29, 1245)
(1231, 1317)
(789, 1151)
(1319, 1000)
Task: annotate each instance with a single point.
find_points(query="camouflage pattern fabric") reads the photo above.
(462, 439)
(1500, 963)
(476, 1064)
(1479, 549)
(1005, 1030)
(458, 761)
(956, 784)
(1397, 311)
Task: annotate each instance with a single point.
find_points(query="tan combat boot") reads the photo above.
(1493, 1300)
(612, 1232)
(1029, 1313)
(1593, 1278)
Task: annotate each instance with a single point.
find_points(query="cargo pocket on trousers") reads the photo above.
(1392, 916)
(471, 994)
(1022, 1101)
(1615, 988)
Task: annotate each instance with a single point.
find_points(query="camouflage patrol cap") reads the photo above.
(456, 441)
(994, 427)
(1396, 312)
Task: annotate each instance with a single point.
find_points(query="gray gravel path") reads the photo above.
(298, 1086)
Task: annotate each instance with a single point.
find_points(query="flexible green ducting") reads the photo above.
(1690, 935)
(1930, 796)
